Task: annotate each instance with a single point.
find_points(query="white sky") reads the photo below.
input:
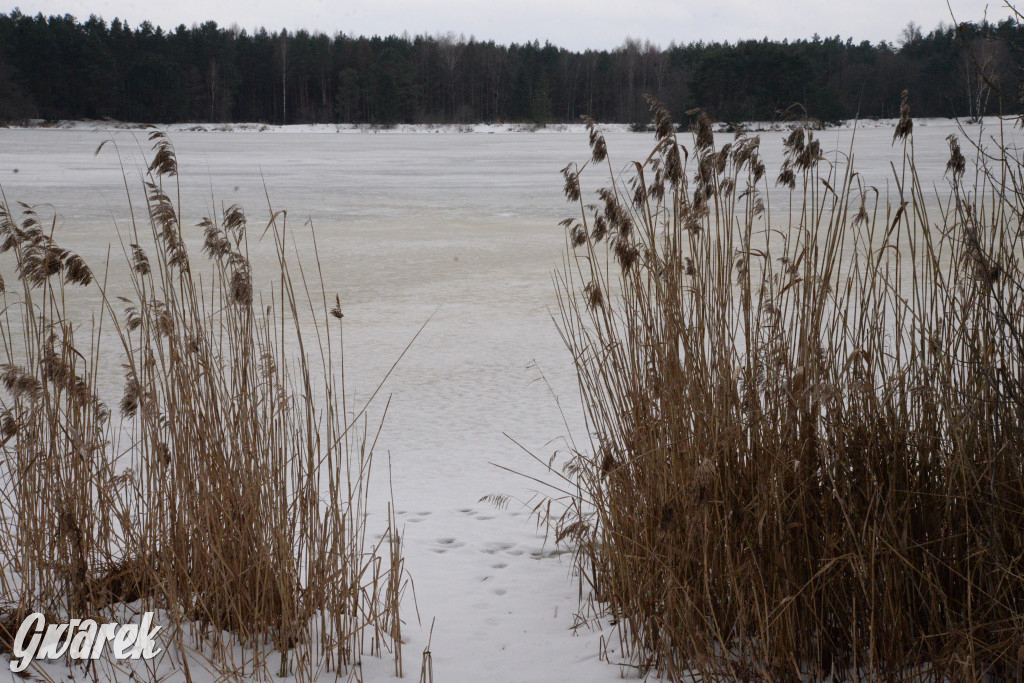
(574, 24)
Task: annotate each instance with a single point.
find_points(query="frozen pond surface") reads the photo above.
(461, 227)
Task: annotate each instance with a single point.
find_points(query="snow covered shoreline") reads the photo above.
(442, 129)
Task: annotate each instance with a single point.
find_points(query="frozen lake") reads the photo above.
(463, 227)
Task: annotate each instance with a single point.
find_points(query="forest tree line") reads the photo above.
(60, 68)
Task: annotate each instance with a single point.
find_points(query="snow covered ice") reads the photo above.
(458, 228)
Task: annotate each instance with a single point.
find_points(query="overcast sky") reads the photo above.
(575, 24)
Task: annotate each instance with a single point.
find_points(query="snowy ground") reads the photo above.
(463, 228)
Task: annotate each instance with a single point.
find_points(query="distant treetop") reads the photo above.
(60, 68)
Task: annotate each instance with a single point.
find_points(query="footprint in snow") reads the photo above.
(473, 512)
(448, 544)
(493, 548)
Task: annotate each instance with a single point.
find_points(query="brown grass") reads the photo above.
(229, 487)
(807, 448)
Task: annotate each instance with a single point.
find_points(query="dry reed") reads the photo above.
(806, 424)
(229, 487)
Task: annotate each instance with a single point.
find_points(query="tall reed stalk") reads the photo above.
(229, 487)
(807, 446)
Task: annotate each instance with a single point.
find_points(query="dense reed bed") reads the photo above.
(227, 489)
(807, 420)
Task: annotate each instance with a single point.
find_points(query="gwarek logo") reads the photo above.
(81, 639)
